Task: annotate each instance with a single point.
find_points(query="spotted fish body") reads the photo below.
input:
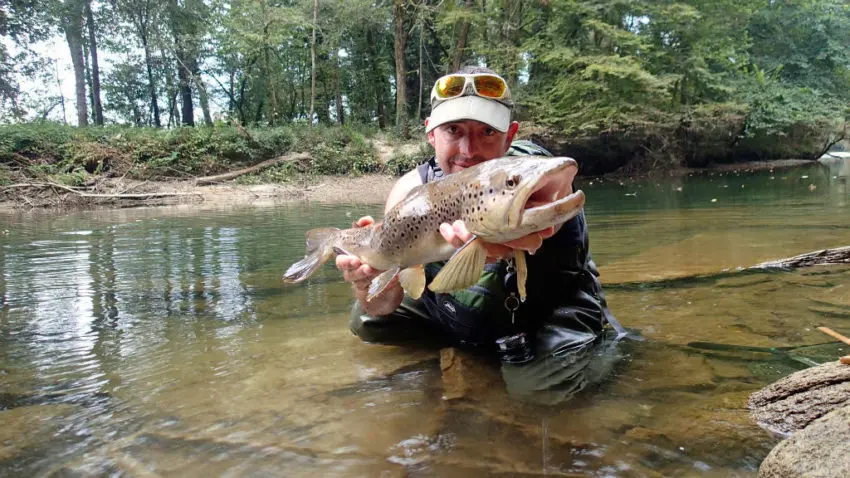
(498, 200)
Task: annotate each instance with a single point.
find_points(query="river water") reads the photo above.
(160, 342)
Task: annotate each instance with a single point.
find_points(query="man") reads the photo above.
(565, 314)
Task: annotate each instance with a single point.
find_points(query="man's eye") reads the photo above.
(489, 132)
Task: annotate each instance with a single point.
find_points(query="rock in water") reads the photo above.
(821, 450)
(795, 401)
(468, 376)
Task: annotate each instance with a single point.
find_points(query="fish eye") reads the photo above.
(513, 181)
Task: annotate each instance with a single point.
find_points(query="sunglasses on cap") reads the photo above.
(485, 85)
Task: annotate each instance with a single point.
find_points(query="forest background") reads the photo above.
(193, 87)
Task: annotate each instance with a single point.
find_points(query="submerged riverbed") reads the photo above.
(160, 341)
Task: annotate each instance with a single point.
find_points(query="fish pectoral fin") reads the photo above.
(463, 269)
(413, 280)
(381, 282)
(521, 273)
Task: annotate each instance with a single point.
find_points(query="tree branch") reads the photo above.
(206, 180)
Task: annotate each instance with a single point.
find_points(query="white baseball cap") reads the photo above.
(469, 105)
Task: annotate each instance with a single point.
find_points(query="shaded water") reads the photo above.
(160, 342)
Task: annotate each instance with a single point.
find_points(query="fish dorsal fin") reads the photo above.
(413, 280)
(381, 282)
(521, 273)
(463, 269)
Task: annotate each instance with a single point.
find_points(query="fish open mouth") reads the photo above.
(553, 185)
(548, 190)
(547, 182)
(552, 197)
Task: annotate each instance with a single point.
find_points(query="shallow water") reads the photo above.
(160, 342)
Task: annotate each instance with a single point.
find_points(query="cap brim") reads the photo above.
(476, 108)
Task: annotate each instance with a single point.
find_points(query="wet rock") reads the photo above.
(822, 449)
(795, 401)
(465, 375)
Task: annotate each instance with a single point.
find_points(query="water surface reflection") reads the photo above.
(161, 341)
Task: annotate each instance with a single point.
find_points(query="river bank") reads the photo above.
(363, 189)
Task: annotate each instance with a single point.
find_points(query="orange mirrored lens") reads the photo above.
(490, 86)
(450, 86)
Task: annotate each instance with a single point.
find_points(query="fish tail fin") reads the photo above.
(319, 250)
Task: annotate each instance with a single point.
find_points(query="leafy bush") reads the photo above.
(338, 151)
(401, 163)
(37, 141)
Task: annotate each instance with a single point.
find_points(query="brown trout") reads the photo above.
(499, 200)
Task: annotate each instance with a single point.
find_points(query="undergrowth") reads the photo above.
(71, 156)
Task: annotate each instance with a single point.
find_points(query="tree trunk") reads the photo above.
(421, 76)
(462, 38)
(313, 61)
(510, 29)
(340, 111)
(74, 35)
(171, 97)
(187, 106)
(97, 106)
(61, 95)
(273, 107)
(400, 70)
(202, 96)
(87, 73)
(377, 80)
(151, 84)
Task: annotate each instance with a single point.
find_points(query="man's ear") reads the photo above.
(509, 135)
(430, 133)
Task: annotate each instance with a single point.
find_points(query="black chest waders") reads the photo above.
(513, 349)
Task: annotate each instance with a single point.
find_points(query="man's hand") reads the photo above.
(457, 235)
(360, 276)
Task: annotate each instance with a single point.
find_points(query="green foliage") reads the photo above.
(338, 151)
(400, 163)
(5, 176)
(638, 73)
(41, 141)
(183, 152)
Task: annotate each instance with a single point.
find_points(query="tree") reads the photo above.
(401, 34)
(72, 24)
(97, 108)
(144, 16)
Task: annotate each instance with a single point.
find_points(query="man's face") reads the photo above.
(461, 144)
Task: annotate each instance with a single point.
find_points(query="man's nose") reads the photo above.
(467, 145)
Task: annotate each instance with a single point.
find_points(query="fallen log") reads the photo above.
(206, 180)
(83, 193)
(839, 255)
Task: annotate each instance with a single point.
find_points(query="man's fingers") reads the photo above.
(448, 233)
(547, 233)
(461, 231)
(362, 273)
(531, 242)
(345, 262)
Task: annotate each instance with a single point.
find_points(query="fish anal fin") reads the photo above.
(319, 251)
(381, 282)
(412, 280)
(521, 273)
(462, 270)
(316, 238)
